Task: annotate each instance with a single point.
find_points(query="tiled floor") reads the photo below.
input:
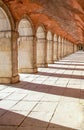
(52, 99)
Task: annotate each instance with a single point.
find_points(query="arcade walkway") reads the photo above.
(52, 99)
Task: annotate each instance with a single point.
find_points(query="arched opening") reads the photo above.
(55, 48)
(26, 47)
(4, 21)
(41, 47)
(49, 47)
(8, 65)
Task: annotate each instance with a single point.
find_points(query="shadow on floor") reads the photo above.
(13, 121)
(61, 68)
(68, 64)
(71, 61)
(49, 89)
(61, 75)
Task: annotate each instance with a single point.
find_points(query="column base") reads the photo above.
(59, 58)
(50, 62)
(28, 70)
(55, 60)
(42, 65)
(7, 80)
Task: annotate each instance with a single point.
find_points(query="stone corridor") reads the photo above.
(52, 99)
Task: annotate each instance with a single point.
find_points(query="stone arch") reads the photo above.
(49, 35)
(25, 28)
(26, 46)
(7, 14)
(41, 46)
(4, 21)
(8, 58)
(49, 47)
(26, 25)
(55, 38)
(40, 32)
(59, 38)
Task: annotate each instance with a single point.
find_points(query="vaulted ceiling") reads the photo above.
(64, 17)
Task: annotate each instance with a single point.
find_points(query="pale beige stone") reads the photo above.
(26, 55)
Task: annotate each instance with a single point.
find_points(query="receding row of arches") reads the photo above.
(23, 49)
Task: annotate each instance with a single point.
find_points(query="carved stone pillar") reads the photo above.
(14, 47)
(55, 50)
(8, 57)
(75, 48)
(65, 48)
(62, 52)
(59, 47)
(50, 52)
(68, 47)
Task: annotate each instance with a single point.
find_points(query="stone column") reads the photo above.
(41, 52)
(62, 48)
(68, 48)
(8, 57)
(15, 76)
(50, 52)
(27, 54)
(59, 48)
(71, 47)
(65, 48)
(75, 48)
(55, 49)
